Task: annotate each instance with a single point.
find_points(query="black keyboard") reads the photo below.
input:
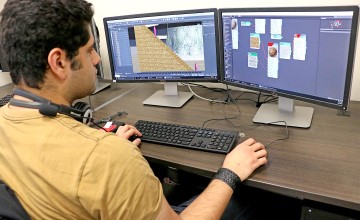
(211, 140)
(4, 100)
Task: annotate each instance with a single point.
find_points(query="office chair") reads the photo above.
(10, 207)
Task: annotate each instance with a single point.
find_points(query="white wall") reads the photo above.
(105, 8)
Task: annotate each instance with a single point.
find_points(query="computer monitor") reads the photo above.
(169, 47)
(303, 53)
(100, 85)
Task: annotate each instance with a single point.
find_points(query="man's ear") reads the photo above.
(57, 62)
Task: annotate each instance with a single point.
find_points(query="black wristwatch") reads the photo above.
(228, 177)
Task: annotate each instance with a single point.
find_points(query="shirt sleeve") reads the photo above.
(118, 183)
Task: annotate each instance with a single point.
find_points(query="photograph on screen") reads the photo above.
(167, 47)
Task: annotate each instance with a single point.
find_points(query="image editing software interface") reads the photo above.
(296, 53)
(169, 47)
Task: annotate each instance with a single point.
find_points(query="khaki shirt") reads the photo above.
(63, 169)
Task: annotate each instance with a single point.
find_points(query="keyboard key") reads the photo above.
(4, 100)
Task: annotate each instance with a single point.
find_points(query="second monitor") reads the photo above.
(304, 53)
(169, 47)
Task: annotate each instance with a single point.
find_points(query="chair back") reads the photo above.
(10, 207)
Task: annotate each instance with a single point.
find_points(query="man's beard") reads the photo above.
(75, 65)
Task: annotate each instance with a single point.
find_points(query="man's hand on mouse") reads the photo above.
(245, 158)
(129, 132)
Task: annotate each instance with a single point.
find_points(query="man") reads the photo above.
(60, 168)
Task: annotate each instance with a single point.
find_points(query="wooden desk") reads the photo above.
(320, 163)
(6, 89)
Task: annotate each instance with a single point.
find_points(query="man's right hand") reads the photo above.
(210, 204)
(245, 158)
(128, 131)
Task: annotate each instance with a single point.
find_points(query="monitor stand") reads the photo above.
(169, 97)
(101, 86)
(295, 116)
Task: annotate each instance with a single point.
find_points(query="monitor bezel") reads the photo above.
(350, 62)
(164, 13)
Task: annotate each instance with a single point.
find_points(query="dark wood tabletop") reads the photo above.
(321, 163)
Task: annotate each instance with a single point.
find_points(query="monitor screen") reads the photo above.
(176, 46)
(304, 53)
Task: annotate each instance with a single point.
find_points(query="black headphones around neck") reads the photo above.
(81, 111)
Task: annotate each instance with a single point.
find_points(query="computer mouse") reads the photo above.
(132, 138)
(117, 124)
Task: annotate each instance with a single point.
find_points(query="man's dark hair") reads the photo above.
(30, 29)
